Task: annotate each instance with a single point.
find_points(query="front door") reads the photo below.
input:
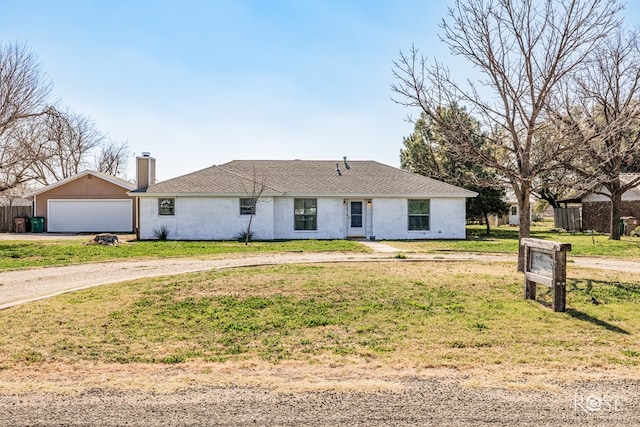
(356, 218)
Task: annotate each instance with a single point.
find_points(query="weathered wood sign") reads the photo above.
(546, 263)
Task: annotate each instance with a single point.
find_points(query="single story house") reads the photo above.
(512, 217)
(596, 207)
(299, 199)
(87, 202)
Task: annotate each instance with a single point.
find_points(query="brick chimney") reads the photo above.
(145, 171)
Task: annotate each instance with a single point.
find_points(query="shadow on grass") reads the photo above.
(586, 318)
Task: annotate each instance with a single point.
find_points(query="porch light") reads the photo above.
(369, 203)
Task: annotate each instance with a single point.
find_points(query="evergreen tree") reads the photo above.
(427, 151)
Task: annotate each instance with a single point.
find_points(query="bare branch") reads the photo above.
(523, 51)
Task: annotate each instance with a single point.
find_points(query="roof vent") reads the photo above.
(338, 169)
(346, 165)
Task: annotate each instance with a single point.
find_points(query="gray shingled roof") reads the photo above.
(307, 177)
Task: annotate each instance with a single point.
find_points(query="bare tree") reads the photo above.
(24, 90)
(18, 144)
(112, 158)
(69, 140)
(254, 192)
(603, 113)
(23, 86)
(522, 50)
(39, 143)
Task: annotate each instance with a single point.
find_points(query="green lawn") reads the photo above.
(505, 240)
(24, 254)
(437, 314)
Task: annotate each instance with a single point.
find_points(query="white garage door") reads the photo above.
(89, 216)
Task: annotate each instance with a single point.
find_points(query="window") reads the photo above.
(419, 214)
(247, 207)
(514, 210)
(305, 214)
(166, 206)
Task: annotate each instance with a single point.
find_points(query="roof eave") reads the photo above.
(143, 193)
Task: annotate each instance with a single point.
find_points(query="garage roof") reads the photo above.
(105, 176)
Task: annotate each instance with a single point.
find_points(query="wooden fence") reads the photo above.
(8, 213)
(567, 218)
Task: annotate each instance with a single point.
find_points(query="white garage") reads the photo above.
(89, 215)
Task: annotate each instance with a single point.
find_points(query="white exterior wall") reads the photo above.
(447, 219)
(206, 218)
(627, 196)
(331, 219)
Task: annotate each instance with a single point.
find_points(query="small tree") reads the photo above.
(489, 201)
(254, 193)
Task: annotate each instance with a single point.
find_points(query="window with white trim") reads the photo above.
(167, 206)
(247, 207)
(305, 212)
(418, 214)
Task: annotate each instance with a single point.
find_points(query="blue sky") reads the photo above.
(198, 83)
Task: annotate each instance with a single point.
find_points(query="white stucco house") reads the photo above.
(300, 200)
(512, 217)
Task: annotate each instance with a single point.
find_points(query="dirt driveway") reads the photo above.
(26, 285)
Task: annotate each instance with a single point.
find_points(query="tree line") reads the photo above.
(551, 103)
(41, 142)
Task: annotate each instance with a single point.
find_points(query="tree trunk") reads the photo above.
(614, 225)
(486, 220)
(524, 207)
(247, 236)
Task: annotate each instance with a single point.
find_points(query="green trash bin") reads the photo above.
(37, 224)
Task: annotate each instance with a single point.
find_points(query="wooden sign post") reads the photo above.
(546, 263)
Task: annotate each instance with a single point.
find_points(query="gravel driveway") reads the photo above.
(420, 402)
(414, 400)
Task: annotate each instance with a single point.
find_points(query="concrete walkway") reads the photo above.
(379, 247)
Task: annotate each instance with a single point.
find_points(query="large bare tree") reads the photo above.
(40, 143)
(603, 114)
(521, 51)
(67, 142)
(24, 89)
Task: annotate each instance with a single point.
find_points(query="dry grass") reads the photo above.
(316, 327)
